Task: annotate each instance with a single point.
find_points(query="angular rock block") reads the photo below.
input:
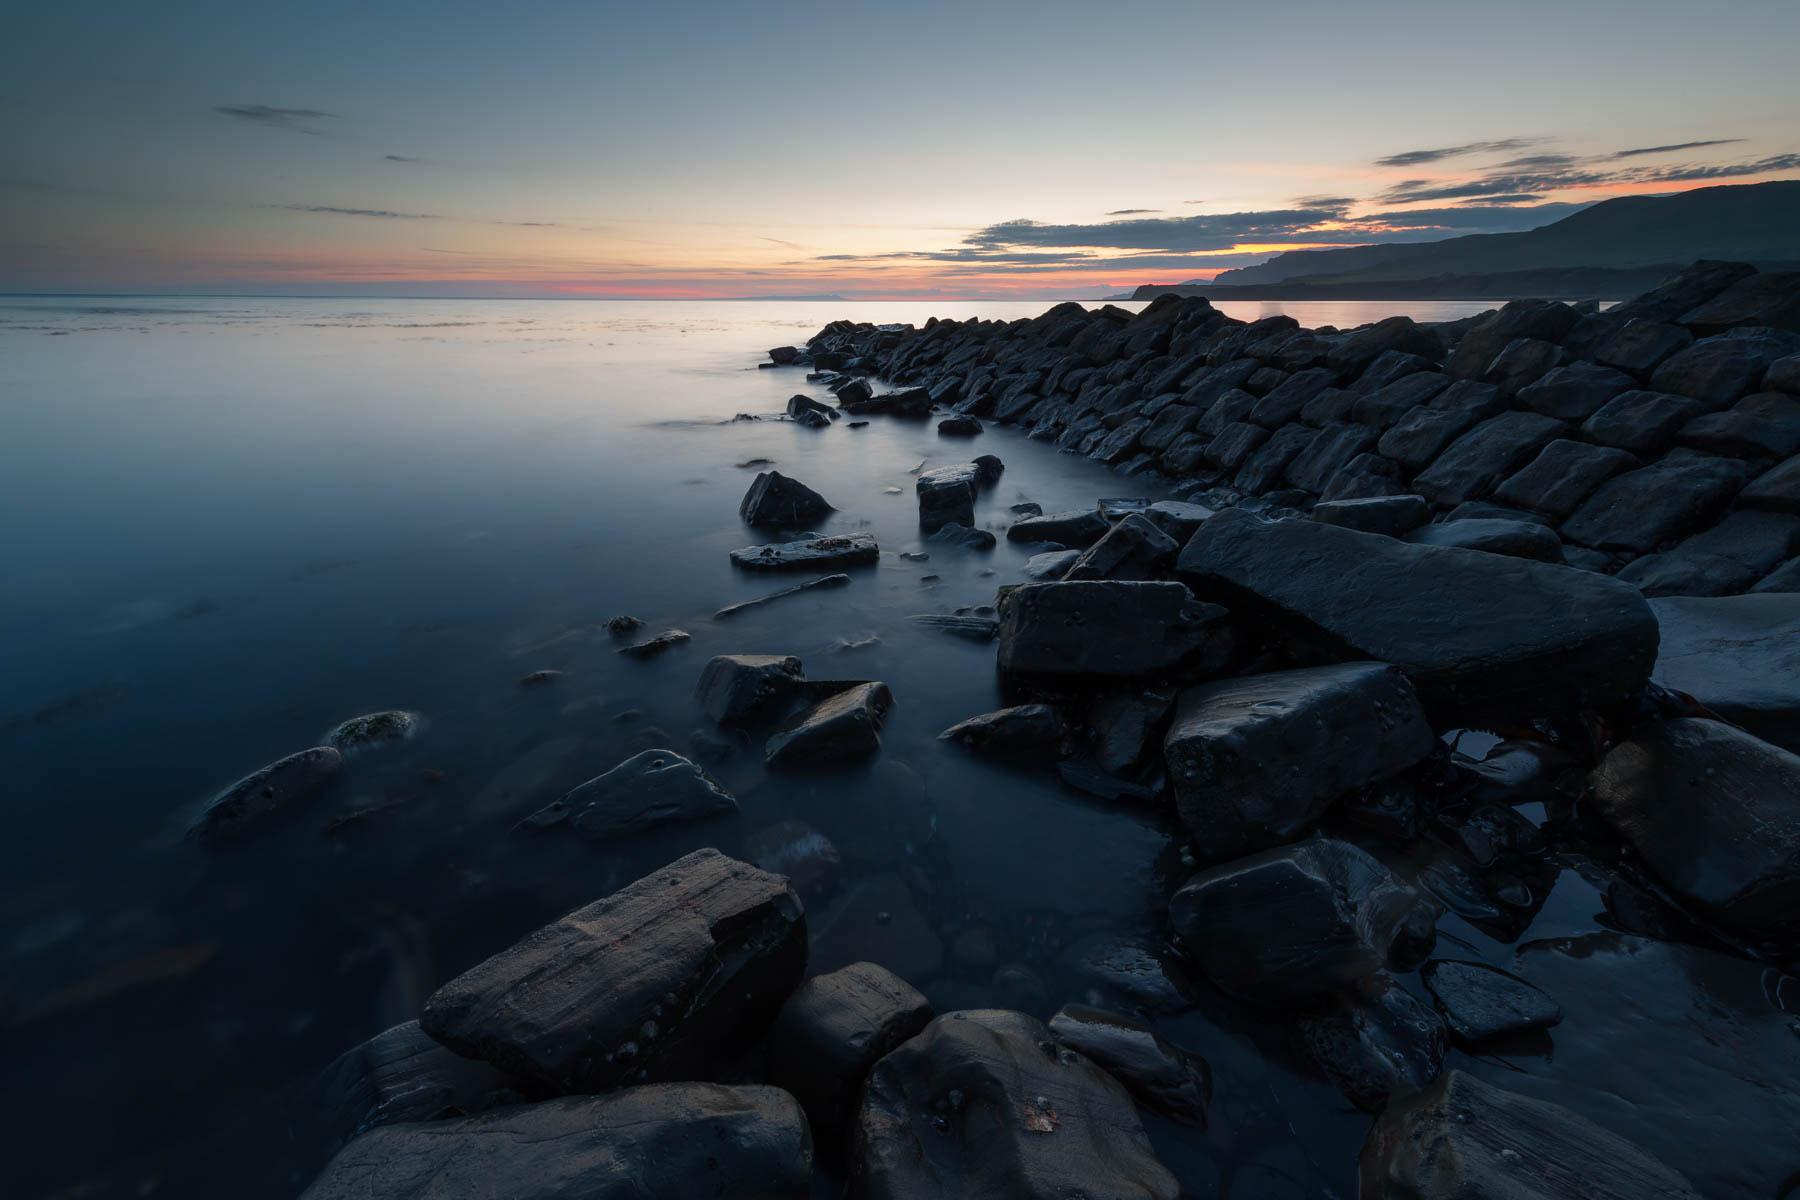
(1715, 813)
(1300, 924)
(1025, 731)
(1479, 459)
(644, 984)
(1462, 1139)
(1256, 761)
(843, 728)
(988, 1103)
(672, 1139)
(1394, 516)
(1076, 529)
(1737, 655)
(743, 689)
(1391, 1045)
(1520, 539)
(400, 1076)
(1474, 632)
(1642, 509)
(833, 1029)
(776, 502)
(1481, 1002)
(1161, 1076)
(656, 787)
(1563, 474)
(1132, 549)
(1111, 629)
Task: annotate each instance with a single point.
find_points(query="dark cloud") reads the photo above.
(1131, 212)
(1216, 231)
(358, 212)
(275, 118)
(1501, 182)
(1413, 158)
(398, 158)
(1540, 160)
(1325, 204)
(1677, 146)
(1473, 218)
(1770, 165)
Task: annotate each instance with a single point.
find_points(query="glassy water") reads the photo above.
(229, 524)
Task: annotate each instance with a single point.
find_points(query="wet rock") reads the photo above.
(1520, 539)
(1715, 813)
(1638, 345)
(676, 1139)
(1052, 564)
(1765, 425)
(1480, 1001)
(1391, 1045)
(1485, 455)
(738, 690)
(799, 406)
(947, 494)
(1132, 549)
(1126, 726)
(1461, 1139)
(959, 426)
(813, 420)
(374, 730)
(1523, 361)
(878, 921)
(1299, 924)
(1394, 335)
(1423, 433)
(798, 851)
(1563, 474)
(1543, 320)
(1777, 489)
(1110, 629)
(824, 581)
(1026, 731)
(1717, 370)
(1101, 785)
(643, 984)
(1641, 422)
(1135, 970)
(623, 626)
(653, 646)
(974, 626)
(843, 728)
(776, 502)
(963, 538)
(403, 1075)
(1727, 558)
(1770, 299)
(1642, 509)
(832, 1030)
(1739, 656)
(1255, 761)
(656, 787)
(283, 782)
(838, 550)
(1575, 392)
(1783, 375)
(1161, 1076)
(783, 355)
(1684, 291)
(1394, 516)
(1077, 529)
(1177, 518)
(540, 678)
(988, 1103)
(1365, 476)
(1331, 449)
(1472, 631)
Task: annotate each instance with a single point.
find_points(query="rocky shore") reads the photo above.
(1436, 613)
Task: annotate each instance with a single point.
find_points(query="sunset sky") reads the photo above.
(728, 149)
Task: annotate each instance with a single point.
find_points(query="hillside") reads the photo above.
(1757, 223)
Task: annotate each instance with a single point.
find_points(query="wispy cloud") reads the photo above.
(399, 158)
(358, 212)
(1642, 150)
(295, 119)
(1504, 184)
(1131, 212)
(777, 241)
(1413, 158)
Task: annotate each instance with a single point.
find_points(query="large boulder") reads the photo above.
(1543, 320)
(1684, 291)
(283, 782)
(1771, 299)
(1563, 474)
(1485, 455)
(842, 728)
(1077, 529)
(1641, 422)
(776, 502)
(1642, 509)
(1763, 425)
(1715, 813)
(1161, 1076)
(1575, 392)
(833, 1029)
(1474, 632)
(1110, 629)
(1134, 548)
(1717, 370)
(1737, 655)
(988, 1103)
(647, 983)
(1301, 924)
(1461, 1139)
(656, 787)
(744, 689)
(1256, 761)
(672, 1139)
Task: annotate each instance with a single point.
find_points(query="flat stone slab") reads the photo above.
(640, 985)
(837, 550)
(1474, 632)
(1109, 629)
(1642, 509)
(674, 1139)
(842, 728)
(1737, 655)
(1480, 1001)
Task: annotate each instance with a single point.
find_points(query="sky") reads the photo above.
(715, 149)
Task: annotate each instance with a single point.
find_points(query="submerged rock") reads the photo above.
(962, 537)
(1300, 923)
(878, 921)
(622, 626)
(1461, 1139)
(1737, 655)
(987, 1103)
(798, 851)
(1077, 529)
(374, 729)
(657, 787)
(1026, 731)
(1715, 814)
(843, 728)
(540, 678)
(832, 1030)
(1166, 1078)
(739, 690)
(644, 984)
(1111, 629)
(651, 647)
(1256, 761)
(1476, 633)
(838, 550)
(1480, 1001)
(975, 626)
(1392, 1045)
(260, 793)
(823, 581)
(674, 1139)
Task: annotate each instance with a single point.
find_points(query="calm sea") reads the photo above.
(229, 524)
